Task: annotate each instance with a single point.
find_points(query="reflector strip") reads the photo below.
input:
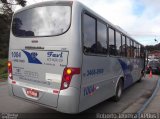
(55, 91)
(13, 82)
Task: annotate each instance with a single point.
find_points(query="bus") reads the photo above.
(64, 56)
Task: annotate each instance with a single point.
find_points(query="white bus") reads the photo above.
(64, 56)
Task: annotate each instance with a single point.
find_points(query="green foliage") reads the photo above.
(3, 69)
(5, 21)
(18, 2)
(4, 36)
(21, 2)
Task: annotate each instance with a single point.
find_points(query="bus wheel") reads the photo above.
(142, 75)
(140, 79)
(119, 91)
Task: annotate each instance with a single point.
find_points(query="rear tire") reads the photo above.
(142, 75)
(119, 91)
(140, 79)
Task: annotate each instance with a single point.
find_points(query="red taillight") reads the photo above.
(67, 76)
(10, 70)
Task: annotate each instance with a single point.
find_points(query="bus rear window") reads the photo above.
(42, 21)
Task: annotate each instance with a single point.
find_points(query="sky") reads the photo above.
(139, 18)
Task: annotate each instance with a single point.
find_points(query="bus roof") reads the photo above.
(118, 28)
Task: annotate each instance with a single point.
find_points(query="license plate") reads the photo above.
(32, 92)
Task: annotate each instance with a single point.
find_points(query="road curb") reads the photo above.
(3, 83)
(147, 102)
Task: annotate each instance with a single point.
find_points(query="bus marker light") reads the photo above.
(55, 91)
(13, 82)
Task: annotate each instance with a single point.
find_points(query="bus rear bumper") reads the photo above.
(68, 101)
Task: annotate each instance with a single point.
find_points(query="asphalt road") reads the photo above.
(136, 92)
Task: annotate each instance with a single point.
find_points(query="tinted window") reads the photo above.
(128, 48)
(123, 46)
(135, 50)
(118, 43)
(132, 48)
(42, 21)
(89, 32)
(138, 50)
(101, 38)
(112, 47)
(142, 52)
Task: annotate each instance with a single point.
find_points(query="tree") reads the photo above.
(7, 6)
(12, 2)
(5, 21)
(153, 47)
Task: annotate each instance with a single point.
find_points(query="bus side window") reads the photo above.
(132, 49)
(123, 46)
(135, 50)
(128, 48)
(142, 51)
(138, 51)
(89, 32)
(112, 45)
(101, 38)
(118, 43)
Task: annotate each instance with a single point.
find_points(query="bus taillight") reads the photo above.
(67, 76)
(10, 70)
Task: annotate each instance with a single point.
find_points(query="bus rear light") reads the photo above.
(68, 71)
(67, 76)
(65, 84)
(10, 70)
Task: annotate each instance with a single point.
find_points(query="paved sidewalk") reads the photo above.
(154, 106)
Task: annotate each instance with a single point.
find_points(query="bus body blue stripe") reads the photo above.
(127, 73)
(32, 58)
